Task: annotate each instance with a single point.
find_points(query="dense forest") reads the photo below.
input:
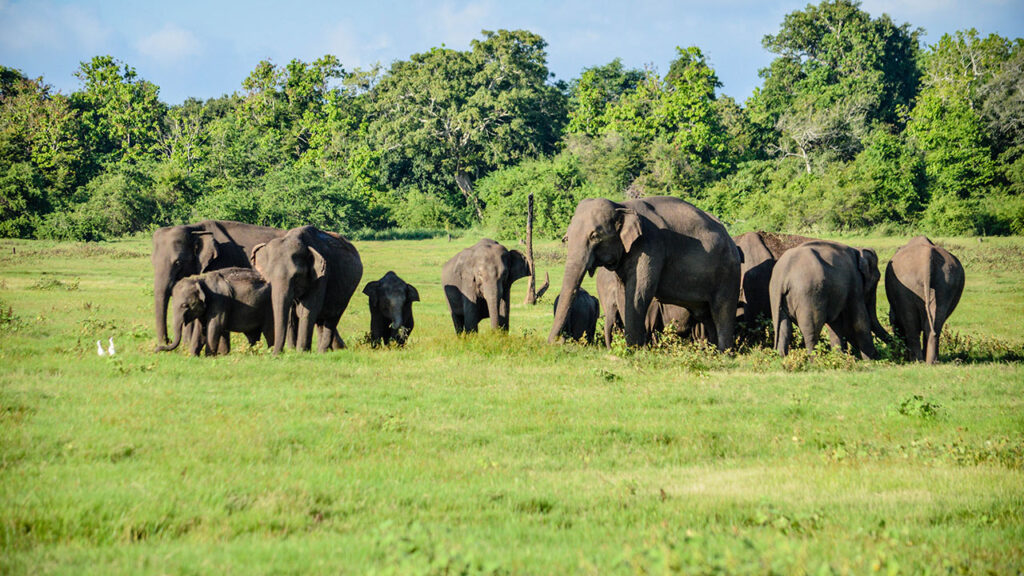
(856, 125)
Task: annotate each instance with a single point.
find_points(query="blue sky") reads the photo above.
(206, 48)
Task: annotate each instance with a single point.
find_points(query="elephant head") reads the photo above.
(601, 233)
(296, 273)
(391, 299)
(189, 304)
(178, 251)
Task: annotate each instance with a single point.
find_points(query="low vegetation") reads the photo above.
(494, 453)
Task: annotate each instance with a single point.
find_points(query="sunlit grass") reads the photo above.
(495, 453)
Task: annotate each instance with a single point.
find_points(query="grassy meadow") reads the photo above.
(492, 453)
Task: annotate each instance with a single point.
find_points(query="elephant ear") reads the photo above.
(206, 249)
(252, 257)
(629, 227)
(371, 290)
(411, 294)
(519, 268)
(867, 261)
(319, 264)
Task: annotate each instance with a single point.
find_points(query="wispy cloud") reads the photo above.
(460, 25)
(169, 45)
(353, 48)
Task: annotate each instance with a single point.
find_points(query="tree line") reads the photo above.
(855, 125)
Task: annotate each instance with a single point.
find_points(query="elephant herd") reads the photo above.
(661, 264)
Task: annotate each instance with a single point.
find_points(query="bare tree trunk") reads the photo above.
(466, 187)
(531, 287)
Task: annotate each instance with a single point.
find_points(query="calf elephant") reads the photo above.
(819, 283)
(477, 282)
(660, 247)
(390, 309)
(582, 320)
(316, 272)
(180, 251)
(222, 301)
(923, 283)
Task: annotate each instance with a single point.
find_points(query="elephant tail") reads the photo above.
(928, 294)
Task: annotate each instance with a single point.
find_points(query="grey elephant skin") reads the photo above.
(660, 247)
(315, 271)
(582, 320)
(660, 316)
(180, 251)
(222, 301)
(760, 251)
(822, 283)
(923, 283)
(477, 282)
(391, 301)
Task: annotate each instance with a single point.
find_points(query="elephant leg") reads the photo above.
(810, 322)
(224, 343)
(916, 330)
(503, 311)
(861, 334)
(634, 315)
(723, 317)
(470, 316)
(291, 334)
(783, 335)
(213, 337)
(834, 339)
(197, 339)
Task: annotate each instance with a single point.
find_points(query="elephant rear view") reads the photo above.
(819, 283)
(477, 282)
(761, 250)
(315, 271)
(923, 283)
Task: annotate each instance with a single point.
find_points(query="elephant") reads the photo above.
(582, 320)
(180, 251)
(659, 247)
(659, 315)
(312, 276)
(223, 301)
(819, 283)
(923, 283)
(760, 252)
(681, 321)
(477, 282)
(390, 309)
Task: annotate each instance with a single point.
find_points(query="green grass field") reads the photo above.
(496, 453)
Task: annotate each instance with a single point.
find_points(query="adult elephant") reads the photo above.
(923, 283)
(315, 271)
(477, 282)
(760, 252)
(819, 283)
(659, 247)
(180, 251)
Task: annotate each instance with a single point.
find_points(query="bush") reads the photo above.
(557, 186)
(21, 200)
(414, 209)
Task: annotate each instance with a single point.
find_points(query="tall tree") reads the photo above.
(447, 116)
(120, 111)
(596, 89)
(838, 72)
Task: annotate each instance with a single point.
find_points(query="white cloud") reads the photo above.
(27, 26)
(352, 48)
(169, 45)
(459, 26)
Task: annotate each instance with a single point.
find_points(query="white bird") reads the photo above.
(99, 349)
(111, 351)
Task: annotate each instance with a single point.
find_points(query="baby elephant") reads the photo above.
(923, 283)
(390, 309)
(223, 301)
(819, 283)
(582, 318)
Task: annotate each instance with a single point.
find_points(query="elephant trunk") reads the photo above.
(492, 295)
(162, 286)
(179, 323)
(575, 267)
(280, 299)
